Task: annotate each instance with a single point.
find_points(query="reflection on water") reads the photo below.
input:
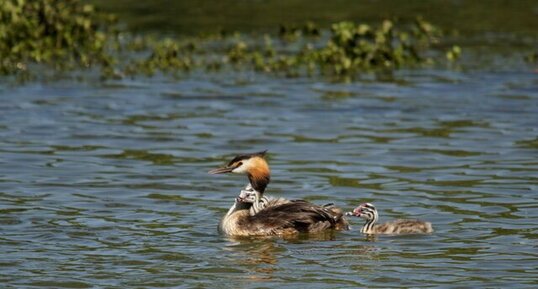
(261, 257)
(105, 184)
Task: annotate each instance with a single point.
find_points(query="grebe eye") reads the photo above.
(239, 164)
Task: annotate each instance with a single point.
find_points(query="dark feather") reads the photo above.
(295, 217)
(260, 183)
(247, 156)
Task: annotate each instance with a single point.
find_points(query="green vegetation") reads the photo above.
(532, 57)
(529, 143)
(516, 19)
(66, 35)
(62, 34)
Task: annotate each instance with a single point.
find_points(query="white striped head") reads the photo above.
(366, 211)
(240, 204)
(247, 195)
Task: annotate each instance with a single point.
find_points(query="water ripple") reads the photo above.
(105, 185)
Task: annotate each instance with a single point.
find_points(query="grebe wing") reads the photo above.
(293, 217)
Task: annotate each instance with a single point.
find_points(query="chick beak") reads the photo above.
(356, 213)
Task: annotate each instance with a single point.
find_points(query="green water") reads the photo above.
(105, 184)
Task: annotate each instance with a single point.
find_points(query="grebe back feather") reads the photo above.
(299, 215)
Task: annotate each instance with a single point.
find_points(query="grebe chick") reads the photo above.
(368, 211)
(249, 195)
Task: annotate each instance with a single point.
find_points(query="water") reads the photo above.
(105, 185)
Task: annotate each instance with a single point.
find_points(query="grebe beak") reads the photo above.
(221, 170)
(356, 213)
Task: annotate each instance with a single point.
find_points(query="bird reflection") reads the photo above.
(260, 257)
(257, 254)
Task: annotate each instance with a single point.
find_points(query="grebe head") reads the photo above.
(366, 211)
(247, 195)
(243, 164)
(242, 203)
(253, 165)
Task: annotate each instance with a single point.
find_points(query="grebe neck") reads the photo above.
(370, 222)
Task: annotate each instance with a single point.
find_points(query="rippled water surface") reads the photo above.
(105, 185)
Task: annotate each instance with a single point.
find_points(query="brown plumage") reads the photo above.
(269, 216)
(399, 226)
(369, 212)
(294, 217)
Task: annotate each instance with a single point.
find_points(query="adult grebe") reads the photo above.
(368, 211)
(281, 216)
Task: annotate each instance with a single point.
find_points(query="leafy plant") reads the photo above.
(68, 34)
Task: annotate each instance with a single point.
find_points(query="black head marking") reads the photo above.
(247, 156)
